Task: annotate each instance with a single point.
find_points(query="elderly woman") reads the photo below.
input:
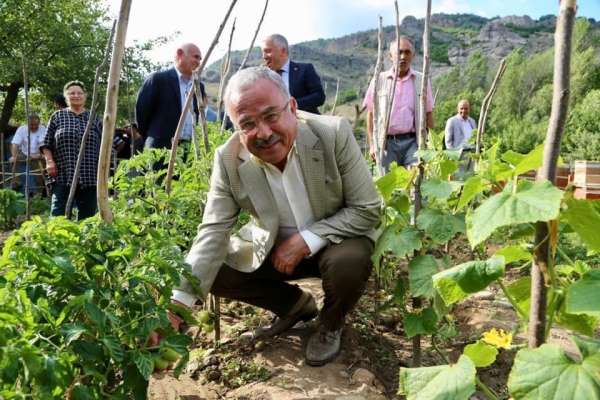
(61, 148)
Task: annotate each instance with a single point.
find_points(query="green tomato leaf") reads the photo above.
(482, 354)
(443, 382)
(548, 373)
(114, 348)
(584, 218)
(472, 187)
(72, 332)
(420, 271)
(420, 324)
(583, 296)
(514, 253)
(436, 188)
(399, 243)
(144, 363)
(532, 202)
(439, 226)
(457, 283)
(179, 343)
(397, 178)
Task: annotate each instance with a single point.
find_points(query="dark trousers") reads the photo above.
(344, 269)
(400, 148)
(84, 200)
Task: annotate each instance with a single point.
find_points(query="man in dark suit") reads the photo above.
(161, 97)
(301, 79)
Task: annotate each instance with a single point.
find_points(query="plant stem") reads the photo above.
(485, 389)
(564, 255)
(512, 301)
(437, 350)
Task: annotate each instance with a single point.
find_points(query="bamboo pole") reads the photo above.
(536, 332)
(377, 129)
(392, 90)
(110, 111)
(247, 56)
(485, 105)
(88, 127)
(335, 99)
(28, 155)
(202, 117)
(225, 68)
(188, 100)
(2, 159)
(422, 142)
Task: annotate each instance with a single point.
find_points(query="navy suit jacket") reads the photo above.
(158, 107)
(305, 86)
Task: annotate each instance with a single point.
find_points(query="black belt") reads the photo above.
(400, 136)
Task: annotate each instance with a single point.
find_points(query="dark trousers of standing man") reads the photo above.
(85, 200)
(344, 269)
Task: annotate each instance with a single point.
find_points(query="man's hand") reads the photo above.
(176, 322)
(288, 254)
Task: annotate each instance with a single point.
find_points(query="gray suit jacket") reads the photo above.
(340, 188)
(454, 136)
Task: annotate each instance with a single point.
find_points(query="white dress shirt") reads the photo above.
(185, 85)
(37, 139)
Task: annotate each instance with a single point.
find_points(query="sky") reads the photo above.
(198, 20)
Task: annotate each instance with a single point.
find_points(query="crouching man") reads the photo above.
(314, 209)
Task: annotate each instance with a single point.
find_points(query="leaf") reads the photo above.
(583, 296)
(532, 202)
(472, 187)
(439, 226)
(420, 271)
(457, 283)
(482, 354)
(548, 373)
(143, 362)
(520, 291)
(584, 217)
(420, 324)
(447, 167)
(95, 315)
(587, 346)
(400, 202)
(397, 178)
(580, 323)
(179, 343)
(514, 253)
(436, 188)
(443, 382)
(531, 161)
(72, 332)
(114, 348)
(399, 243)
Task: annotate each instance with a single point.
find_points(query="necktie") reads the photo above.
(280, 72)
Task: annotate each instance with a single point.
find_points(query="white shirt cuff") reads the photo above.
(314, 242)
(184, 297)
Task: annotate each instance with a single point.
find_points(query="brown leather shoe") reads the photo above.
(305, 309)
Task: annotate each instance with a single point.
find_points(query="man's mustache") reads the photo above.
(260, 143)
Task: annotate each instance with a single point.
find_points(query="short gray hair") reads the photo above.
(406, 39)
(244, 79)
(279, 41)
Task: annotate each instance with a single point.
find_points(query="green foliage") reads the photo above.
(443, 382)
(12, 204)
(482, 354)
(582, 133)
(439, 51)
(583, 296)
(548, 373)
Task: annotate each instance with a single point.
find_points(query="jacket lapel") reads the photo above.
(312, 164)
(292, 78)
(174, 83)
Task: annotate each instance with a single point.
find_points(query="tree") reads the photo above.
(58, 40)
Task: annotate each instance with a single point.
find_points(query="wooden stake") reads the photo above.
(188, 100)
(28, 155)
(536, 332)
(110, 111)
(335, 99)
(377, 129)
(247, 56)
(225, 68)
(485, 105)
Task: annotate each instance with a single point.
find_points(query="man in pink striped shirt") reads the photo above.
(401, 143)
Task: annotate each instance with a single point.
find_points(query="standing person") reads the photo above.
(401, 143)
(300, 79)
(314, 208)
(61, 149)
(19, 148)
(459, 128)
(161, 97)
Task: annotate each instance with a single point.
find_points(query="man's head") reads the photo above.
(407, 52)
(187, 58)
(464, 108)
(34, 122)
(263, 113)
(275, 51)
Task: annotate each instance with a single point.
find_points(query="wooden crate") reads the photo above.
(587, 193)
(563, 176)
(586, 173)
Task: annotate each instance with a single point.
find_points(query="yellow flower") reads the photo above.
(498, 338)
